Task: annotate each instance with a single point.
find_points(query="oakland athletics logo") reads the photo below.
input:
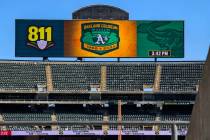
(100, 37)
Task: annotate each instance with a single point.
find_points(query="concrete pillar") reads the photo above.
(174, 135)
(119, 120)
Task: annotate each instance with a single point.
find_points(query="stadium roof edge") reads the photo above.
(97, 5)
(98, 62)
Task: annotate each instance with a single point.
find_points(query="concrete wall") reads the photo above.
(200, 122)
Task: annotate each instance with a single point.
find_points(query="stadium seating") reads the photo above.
(21, 128)
(175, 117)
(180, 76)
(179, 127)
(75, 77)
(139, 117)
(91, 117)
(129, 77)
(175, 77)
(21, 76)
(22, 116)
(78, 117)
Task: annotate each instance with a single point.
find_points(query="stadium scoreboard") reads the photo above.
(99, 38)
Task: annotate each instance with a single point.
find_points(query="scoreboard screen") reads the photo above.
(99, 38)
(160, 38)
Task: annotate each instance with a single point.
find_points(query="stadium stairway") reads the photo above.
(54, 120)
(105, 127)
(1, 118)
(49, 78)
(157, 78)
(103, 78)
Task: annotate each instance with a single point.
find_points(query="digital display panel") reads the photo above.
(99, 38)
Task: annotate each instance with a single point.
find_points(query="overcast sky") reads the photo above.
(195, 13)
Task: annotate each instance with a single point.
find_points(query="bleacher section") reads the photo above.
(80, 117)
(149, 91)
(140, 117)
(21, 128)
(75, 77)
(175, 117)
(181, 77)
(129, 77)
(21, 76)
(22, 116)
(78, 77)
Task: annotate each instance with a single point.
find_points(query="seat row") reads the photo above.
(119, 77)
